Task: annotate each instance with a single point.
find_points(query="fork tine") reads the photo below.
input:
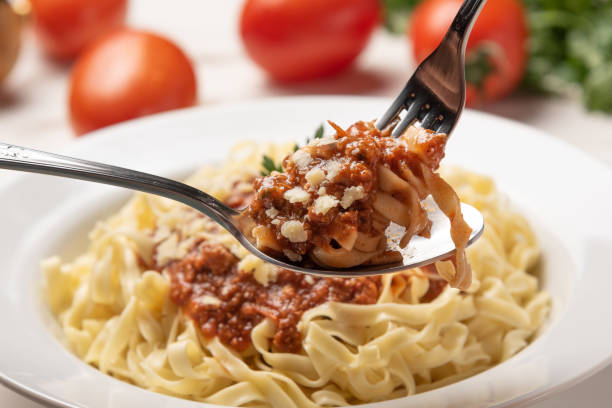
(411, 114)
(396, 107)
(446, 125)
(439, 80)
(431, 117)
(389, 115)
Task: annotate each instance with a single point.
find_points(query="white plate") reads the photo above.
(566, 195)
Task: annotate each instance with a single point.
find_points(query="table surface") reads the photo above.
(33, 107)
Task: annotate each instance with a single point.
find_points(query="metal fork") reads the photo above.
(435, 95)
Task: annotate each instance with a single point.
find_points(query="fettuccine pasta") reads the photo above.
(135, 306)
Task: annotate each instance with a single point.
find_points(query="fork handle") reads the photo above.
(34, 161)
(466, 17)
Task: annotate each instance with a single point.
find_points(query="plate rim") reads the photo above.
(99, 136)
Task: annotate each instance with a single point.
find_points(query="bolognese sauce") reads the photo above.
(326, 196)
(228, 303)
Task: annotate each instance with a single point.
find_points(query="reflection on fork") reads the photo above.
(435, 95)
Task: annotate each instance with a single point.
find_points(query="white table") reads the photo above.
(33, 107)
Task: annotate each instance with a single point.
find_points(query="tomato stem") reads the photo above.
(477, 67)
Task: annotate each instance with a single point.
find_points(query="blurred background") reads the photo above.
(68, 67)
(547, 63)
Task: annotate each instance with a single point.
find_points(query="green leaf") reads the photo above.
(571, 49)
(268, 165)
(318, 134)
(598, 89)
(478, 66)
(397, 13)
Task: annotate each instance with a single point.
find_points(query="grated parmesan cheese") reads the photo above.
(272, 212)
(315, 176)
(325, 203)
(302, 159)
(168, 250)
(333, 168)
(297, 195)
(263, 272)
(350, 195)
(323, 141)
(294, 231)
(208, 300)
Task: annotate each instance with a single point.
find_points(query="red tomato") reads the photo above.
(496, 51)
(302, 39)
(127, 74)
(65, 27)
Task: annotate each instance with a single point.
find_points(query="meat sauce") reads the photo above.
(210, 271)
(354, 170)
(358, 151)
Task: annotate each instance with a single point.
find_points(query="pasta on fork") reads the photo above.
(337, 195)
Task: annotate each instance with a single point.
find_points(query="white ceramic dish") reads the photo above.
(566, 195)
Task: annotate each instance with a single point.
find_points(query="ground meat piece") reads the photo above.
(211, 271)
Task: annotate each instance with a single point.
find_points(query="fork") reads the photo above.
(435, 94)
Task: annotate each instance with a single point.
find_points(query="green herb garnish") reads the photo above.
(317, 135)
(269, 166)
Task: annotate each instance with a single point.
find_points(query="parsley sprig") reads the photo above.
(269, 165)
(317, 135)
